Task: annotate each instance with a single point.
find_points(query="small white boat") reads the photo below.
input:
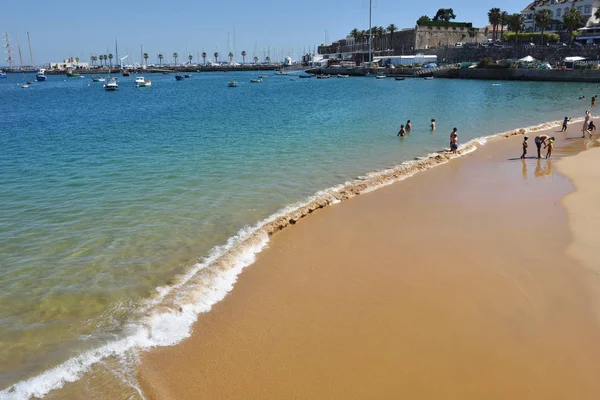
(41, 75)
(343, 76)
(263, 76)
(281, 73)
(141, 82)
(256, 80)
(292, 79)
(323, 76)
(98, 79)
(111, 85)
(428, 78)
(232, 84)
(380, 77)
(24, 86)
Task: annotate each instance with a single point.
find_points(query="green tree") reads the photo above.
(190, 58)
(423, 20)
(175, 55)
(597, 14)
(93, 58)
(543, 19)
(380, 34)
(515, 24)
(160, 58)
(444, 15)
(230, 57)
(110, 57)
(204, 57)
(355, 34)
(255, 60)
(572, 19)
(243, 56)
(494, 16)
(268, 59)
(216, 57)
(391, 29)
(503, 21)
(146, 58)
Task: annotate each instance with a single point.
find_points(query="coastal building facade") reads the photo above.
(72, 62)
(404, 42)
(558, 8)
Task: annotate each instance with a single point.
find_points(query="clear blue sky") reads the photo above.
(80, 28)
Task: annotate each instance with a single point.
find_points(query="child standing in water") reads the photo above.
(432, 124)
(402, 131)
(550, 146)
(454, 140)
(524, 147)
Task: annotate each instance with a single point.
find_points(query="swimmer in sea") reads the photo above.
(408, 126)
(402, 132)
(432, 124)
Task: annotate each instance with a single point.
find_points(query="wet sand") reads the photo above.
(453, 284)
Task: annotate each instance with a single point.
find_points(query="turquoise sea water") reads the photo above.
(107, 196)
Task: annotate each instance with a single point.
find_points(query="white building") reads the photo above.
(72, 62)
(558, 9)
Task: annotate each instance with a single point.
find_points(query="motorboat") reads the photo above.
(41, 75)
(400, 78)
(343, 76)
(305, 76)
(428, 78)
(256, 80)
(141, 82)
(24, 86)
(232, 84)
(111, 85)
(126, 73)
(380, 77)
(263, 76)
(2, 74)
(98, 79)
(179, 77)
(323, 76)
(72, 74)
(187, 76)
(281, 73)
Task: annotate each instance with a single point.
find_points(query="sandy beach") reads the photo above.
(476, 279)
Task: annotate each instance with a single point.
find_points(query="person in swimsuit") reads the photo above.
(408, 126)
(539, 140)
(454, 140)
(550, 146)
(402, 131)
(588, 118)
(591, 128)
(593, 100)
(432, 124)
(564, 125)
(524, 147)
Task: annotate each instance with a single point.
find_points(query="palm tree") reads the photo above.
(146, 58)
(110, 57)
(204, 57)
(494, 16)
(160, 58)
(230, 57)
(93, 59)
(216, 57)
(175, 55)
(515, 24)
(380, 32)
(267, 59)
(243, 56)
(572, 20)
(543, 19)
(190, 58)
(391, 29)
(503, 21)
(597, 14)
(255, 60)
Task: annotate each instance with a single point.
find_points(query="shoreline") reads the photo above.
(310, 299)
(230, 259)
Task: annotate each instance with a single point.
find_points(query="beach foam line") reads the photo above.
(172, 310)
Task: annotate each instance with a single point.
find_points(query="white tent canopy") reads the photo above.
(573, 59)
(527, 59)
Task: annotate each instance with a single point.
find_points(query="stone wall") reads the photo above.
(552, 54)
(584, 75)
(435, 36)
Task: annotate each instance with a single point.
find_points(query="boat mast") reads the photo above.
(141, 54)
(117, 51)
(370, 32)
(8, 50)
(30, 52)
(20, 55)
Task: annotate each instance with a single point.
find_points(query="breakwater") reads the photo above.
(166, 69)
(519, 74)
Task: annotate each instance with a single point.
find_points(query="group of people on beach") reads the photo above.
(404, 129)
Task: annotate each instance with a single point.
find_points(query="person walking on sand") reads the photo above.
(408, 126)
(402, 132)
(550, 146)
(539, 140)
(564, 125)
(454, 140)
(588, 118)
(432, 126)
(524, 147)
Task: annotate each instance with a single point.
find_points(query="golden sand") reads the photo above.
(454, 284)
